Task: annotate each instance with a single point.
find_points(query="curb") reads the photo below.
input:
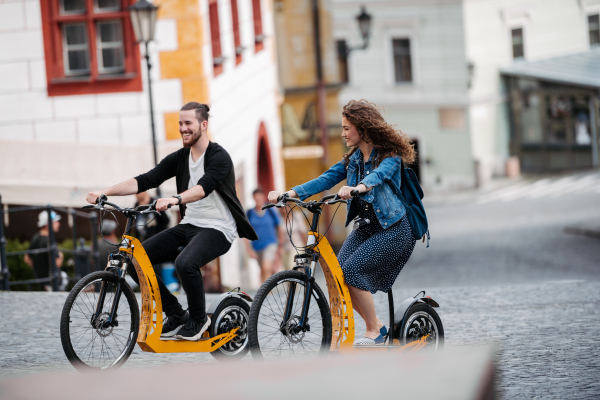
(591, 232)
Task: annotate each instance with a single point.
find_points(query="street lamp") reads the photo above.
(143, 19)
(364, 26)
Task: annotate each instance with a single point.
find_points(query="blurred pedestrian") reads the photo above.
(299, 237)
(109, 241)
(40, 262)
(268, 227)
(148, 225)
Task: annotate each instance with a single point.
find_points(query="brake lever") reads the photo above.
(88, 206)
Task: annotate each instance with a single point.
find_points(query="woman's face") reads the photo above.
(350, 133)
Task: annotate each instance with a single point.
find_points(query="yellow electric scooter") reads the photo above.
(291, 317)
(100, 322)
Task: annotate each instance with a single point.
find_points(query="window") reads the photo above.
(342, 48)
(215, 37)
(110, 46)
(402, 61)
(452, 118)
(89, 47)
(594, 29)
(517, 43)
(107, 5)
(75, 49)
(236, 32)
(258, 29)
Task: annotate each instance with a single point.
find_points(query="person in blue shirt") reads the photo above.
(376, 251)
(268, 227)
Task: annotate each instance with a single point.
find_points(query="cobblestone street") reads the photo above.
(505, 273)
(545, 333)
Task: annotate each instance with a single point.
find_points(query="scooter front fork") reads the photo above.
(303, 325)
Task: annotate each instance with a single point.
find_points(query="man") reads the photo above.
(212, 217)
(267, 224)
(148, 225)
(40, 262)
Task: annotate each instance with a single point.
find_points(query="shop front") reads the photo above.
(554, 112)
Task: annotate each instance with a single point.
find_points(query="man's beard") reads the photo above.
(194, 139)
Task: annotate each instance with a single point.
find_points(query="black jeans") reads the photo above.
(202, 245)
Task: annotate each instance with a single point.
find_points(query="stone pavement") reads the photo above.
(546, 333)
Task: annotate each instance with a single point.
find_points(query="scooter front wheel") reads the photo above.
(94, 343)
(272, 335)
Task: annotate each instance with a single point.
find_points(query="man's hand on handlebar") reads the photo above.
(163, 204)
(345, 192)
(92, 197)
(275, 195)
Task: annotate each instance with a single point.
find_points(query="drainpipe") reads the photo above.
(321, 100)
(594, 127)
(320, 85)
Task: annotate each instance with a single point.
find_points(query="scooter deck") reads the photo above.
(151, 319)
(204, 345)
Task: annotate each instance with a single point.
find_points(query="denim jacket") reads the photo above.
(385, 181)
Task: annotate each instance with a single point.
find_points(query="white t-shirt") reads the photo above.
(211, 211)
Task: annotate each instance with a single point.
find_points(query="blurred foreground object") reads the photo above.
(460, 373)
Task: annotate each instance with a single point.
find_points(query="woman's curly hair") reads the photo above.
(372, 128)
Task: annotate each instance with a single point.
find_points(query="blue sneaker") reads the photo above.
(383, 331)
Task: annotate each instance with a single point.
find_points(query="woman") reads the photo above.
(374, 254)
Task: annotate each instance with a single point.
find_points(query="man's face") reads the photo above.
(260, 199)
(190, 128)
(55, 226)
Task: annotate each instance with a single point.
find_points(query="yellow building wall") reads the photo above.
(298, 78)
(185, 63)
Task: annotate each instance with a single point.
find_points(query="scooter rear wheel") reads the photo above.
(420, 320)
(231, 313)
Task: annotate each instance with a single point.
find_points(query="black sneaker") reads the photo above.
(172, 325)
(193, 330)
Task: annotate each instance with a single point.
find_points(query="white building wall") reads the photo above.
(56, 149)
(107, 128)
(551, 28)
(242, 97)
(435, 30)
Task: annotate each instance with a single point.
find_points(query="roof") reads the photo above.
(582, 69)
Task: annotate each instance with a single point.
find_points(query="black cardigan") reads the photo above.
(218, 175)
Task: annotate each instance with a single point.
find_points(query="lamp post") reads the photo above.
(143, 19)
(364, 26)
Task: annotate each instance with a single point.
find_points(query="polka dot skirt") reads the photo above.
(372, 257)
(373, 262)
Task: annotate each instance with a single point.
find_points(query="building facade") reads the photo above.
(74, 108)
(435, 66)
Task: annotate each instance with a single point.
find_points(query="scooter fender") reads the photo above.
(222, 297)
(403, 308)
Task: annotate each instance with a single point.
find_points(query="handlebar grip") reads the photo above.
(169, 206)
(283, 196)
(102, 197)
(354, 193)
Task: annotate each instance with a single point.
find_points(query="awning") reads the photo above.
(581, 69)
